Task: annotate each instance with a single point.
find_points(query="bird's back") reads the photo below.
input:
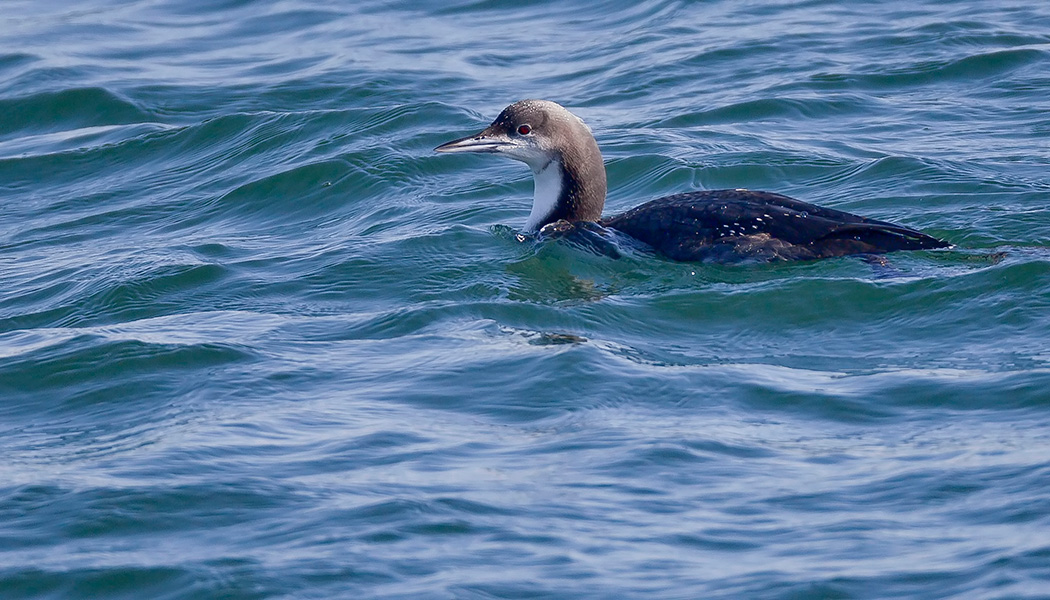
(733, 225)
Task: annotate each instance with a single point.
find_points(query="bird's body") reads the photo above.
(727, 225)
(714, 225)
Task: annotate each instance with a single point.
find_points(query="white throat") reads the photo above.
(548, 185)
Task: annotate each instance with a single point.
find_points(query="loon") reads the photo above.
(709, 226)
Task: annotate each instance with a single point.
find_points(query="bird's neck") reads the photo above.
(570, 191)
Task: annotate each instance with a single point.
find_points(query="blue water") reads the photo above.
(258, 341)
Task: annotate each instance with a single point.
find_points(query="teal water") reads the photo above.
(258, 341)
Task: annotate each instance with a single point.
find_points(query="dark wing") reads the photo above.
(727, 225)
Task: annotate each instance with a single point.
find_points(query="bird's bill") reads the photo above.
(484, 141)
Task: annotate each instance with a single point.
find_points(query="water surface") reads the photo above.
(258, 341)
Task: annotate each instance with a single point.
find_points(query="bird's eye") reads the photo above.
(524, 129)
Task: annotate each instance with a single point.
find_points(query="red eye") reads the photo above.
(524, 129)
